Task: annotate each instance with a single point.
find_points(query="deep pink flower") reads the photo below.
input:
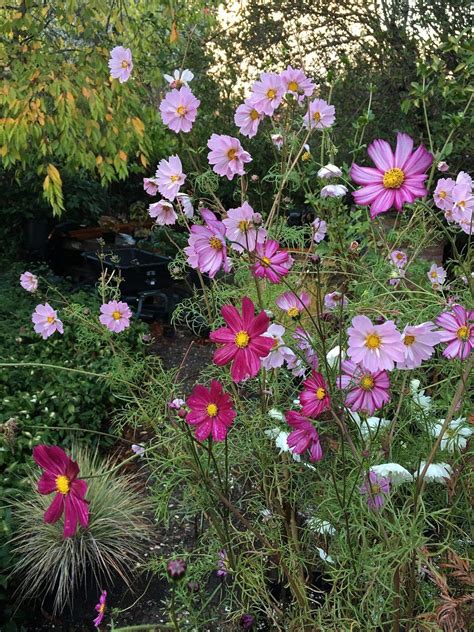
(163, 212)
(366, 391)
(335, 300)
(267, 93)
(150, 185)
(271, 264)
(376, 347)
(60, 476)
(170, 177)
(314, 398)
(29, 281)
(179, 109)
(120, 63)
(207, 248)
(442, 194)
(399, 258)
(211, 411)
(458, 331)
(398, 177)
(297, 83)
(46, 321)
(320, 228)
(100, 608)
(304, 436)
(242, 228)
(292, 304)
(247, 118)
(419, 342)
(227, 155)
(319, 115)
(375, 488)
(243, 342)
(436, 274)
(115, 315)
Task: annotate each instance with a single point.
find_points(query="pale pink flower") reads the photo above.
(442, 166)
(242, 228)
(170, 177)
(320, 229)
(329, 171)
(267, 93)
(120, 63)
(179, 78)
(442, 194)
(366, 391)
(207, 249)
(277, 140)
(179, 109)
(297, 83)
(293, 304)
(464, 178)
(319, 115)
(335, 300)
(333, 190)
(375, 488)
(150, 185)
(419, 342)
(163, 212)
(115, 315)
(247, 118)
(227, 155)
(463, 202)
(375, 347)
(399, 258)
(436, 274)
(185, 204)
(46, 321)
(279, 353)
(457, 331)
(29, 281)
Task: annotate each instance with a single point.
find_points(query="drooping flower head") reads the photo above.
(29, 281)
(335, 300)
(46, 321)
(457, 331)
(436, 274)
(242, 228)
(293, 304)
(329, 171)
(223, 564)
(60, 477)
(277, 140)
(247, 118)
(207, 248)
(272, 263)
(442, 166)
(163, 212)
(295, 82)
(227, 156)
(304, 436)
(319, 115)
(150, 185)
(419, 342)
(211, 411)
(179, 109)
(320, 229)
(376, 347)
(333, 190)
(242, 341)
(179, 78)
(375, 488)
(366, 391)
(442, 194)
(314, 398)
(279, 353)
(120, 63)
(186, 205)
(170, 177)
(115, 315)
(397, 178)
(398, 258)
(267, 93)
(100, 608)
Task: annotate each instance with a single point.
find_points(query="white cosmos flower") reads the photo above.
(436, 472)
(419, 397)
(333, 190)
(329, 171)
(456, 435)
(273, 413)
(320, 526)
(179, 78)
(370, 425)
(334, 354)
(281, 441)
(395, 472)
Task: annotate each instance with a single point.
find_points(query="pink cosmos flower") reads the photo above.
(437, 274)
(100, 608)
(227, 155)
(442, 166)
(419, 341)
(279, 353)
(297, 83)
(304, 436)
(186, 205)
(241, 228)
(207, 249)
(463, 201)
(366, 391)
(314, 398)
(305, 343)
(277, 140)
(46, 321)
(334, 300)
(333, 190)
(115, 315)
(150, 185)
(376, 347)
(271, 264)
(399, 258)
(398, 177)
(223, 564)
(329, 171)
(60, 476)
(267, 93)
(179, 109)
(247, 118)
(458, 331)
(170, 177)
(163, 212)
(29, 281)
(320, 228)
(292, 304)
(442, 194)
(375, 489)
(319, 115)
(120, 63)
(211, 411)
(464, 178)
(242, 340)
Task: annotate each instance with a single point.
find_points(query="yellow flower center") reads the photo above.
(265, 262)
(271, 94)
(320, 393)
(174, 178)
(242, 339)
(462, 333)
(254, 115)
(293, 312)
(443, 195)
(293, 86)
(244, 225)
(375, 489)
(102, 608)
(408, 340)
(62, 484)
(367, 383)
(434, 274)
(461, 203)
(317, 116)
(372, 341)
(306, 156)
(393, 178)
(50, 319)
(276, 342)
(215, 243)
(116, 315)
(399, 256)
(231, 154)
(125, 63)
(212, 410)
(181, 110)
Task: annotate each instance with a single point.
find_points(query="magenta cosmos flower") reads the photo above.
(115, 315)
(163, 212)
(303, 437)
(366, 391)
(399, 258)
(398, 177)
(375, 488)
(272, 263)
(179, 109)
(320, 228)
(207, 249)
(314, 398)
(227, 155)
(458, 332)
(295, 82)
(419, 342)
(60, 476)
(292, 304)
(29, 281)
(247, 118)
(376, 347)
(243, 342)
(170, 177)
(211, 411)
(120, 63)
(267, 93)
(242, 228)
(46, 321)
(319, 115)
(100, 608)
(150, 185)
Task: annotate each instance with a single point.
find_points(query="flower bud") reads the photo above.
(176, 569)
(247, 621)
